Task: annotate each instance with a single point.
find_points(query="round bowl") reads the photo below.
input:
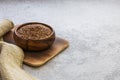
(32, 44)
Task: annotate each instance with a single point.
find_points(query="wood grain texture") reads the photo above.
(36, 59)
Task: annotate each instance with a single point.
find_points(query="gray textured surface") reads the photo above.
(92, 28)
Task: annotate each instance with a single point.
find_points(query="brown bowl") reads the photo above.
(31, 44)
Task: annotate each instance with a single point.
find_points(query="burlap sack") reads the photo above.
(11, 57)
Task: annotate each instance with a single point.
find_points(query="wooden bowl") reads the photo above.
(31, 44)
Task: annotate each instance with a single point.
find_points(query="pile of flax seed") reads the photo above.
(34, 31)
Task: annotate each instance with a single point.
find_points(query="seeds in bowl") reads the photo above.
(34, 31)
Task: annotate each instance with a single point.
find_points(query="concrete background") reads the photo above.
(91, 26)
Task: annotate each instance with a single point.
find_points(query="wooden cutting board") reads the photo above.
(36, 59)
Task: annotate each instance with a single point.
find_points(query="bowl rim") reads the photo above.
(19, 26)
